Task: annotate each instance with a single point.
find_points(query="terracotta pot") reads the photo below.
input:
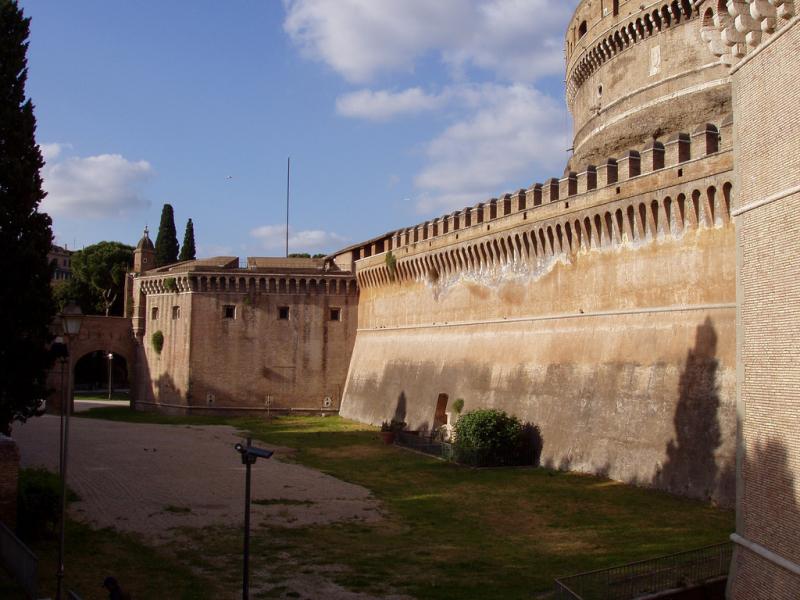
(388, 437)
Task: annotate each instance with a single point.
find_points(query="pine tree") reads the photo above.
(26, 304)
(187, 249)
(167, 239)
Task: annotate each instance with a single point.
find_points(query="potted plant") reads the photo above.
(390, 429)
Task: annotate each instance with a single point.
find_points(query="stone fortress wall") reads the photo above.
(761, 43)
(275, 336)
(599, 305)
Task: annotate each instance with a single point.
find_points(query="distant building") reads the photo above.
(62, 259)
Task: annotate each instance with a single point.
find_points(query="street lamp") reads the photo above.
(249, 456)
(71, 319)
(110, 362)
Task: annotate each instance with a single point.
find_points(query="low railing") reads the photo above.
(19, 561)
(648, 577)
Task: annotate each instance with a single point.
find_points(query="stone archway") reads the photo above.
(98, 333)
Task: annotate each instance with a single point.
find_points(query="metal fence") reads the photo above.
(19, 561)
(646, 577)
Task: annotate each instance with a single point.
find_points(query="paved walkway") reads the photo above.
(151, 478)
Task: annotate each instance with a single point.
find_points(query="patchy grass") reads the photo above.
(282, 502)
(179, 510)
(120, 396)
(449, 531)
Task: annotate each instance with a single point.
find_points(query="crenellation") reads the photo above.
(567, 186)
(678, 149)
(607, 173)
(629, 165)
(652, 157)
(534, 196)
(587, 180)
(550, 190)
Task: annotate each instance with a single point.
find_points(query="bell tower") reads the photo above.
(144, 257)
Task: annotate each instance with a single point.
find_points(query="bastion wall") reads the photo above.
(244, 340)
(600, 307)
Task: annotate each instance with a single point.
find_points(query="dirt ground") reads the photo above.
(149, 479)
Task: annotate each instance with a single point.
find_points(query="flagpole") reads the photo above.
(288, 171)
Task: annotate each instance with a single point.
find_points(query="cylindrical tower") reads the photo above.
(637, 70)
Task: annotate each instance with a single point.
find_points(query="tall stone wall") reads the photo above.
(607, 318)
(767, 151)
(238, 341)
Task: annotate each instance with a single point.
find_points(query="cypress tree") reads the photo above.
(167, 239)
(26, 304)
(187, 249)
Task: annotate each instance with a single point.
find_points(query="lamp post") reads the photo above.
(110, 363)
(71, 318)
(249, 456)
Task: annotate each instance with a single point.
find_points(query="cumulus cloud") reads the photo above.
(514, 128)
(52, 151)
(273, 237)
(107, 185)
(359, 39)
(383, 105)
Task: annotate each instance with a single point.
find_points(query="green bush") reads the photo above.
(489, 437)
(170, 284)
(39, 503)
(157, 341)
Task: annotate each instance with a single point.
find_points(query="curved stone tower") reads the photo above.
(640, 70)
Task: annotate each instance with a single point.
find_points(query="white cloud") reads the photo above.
(50, 152)
(107, 185)
(383, 105)
(273, 237)
(359, 39)
(513, 128)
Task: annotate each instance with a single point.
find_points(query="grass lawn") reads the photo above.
(449, 532)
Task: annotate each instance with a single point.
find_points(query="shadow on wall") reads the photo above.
(691, 467)
(770, 516)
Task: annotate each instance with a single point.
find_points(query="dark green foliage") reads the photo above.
(188, 251)
(39, 503)
(299, 255)
(391, 264)
(167, 240)
(170, 284)
(26, 303)
(458, 405)
(98, 279)
(489, 437)
(158, 341)
(319, 255)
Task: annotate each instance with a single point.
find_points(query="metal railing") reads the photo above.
(19, 561)
(647, 577)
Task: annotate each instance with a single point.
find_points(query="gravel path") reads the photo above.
(151, 478)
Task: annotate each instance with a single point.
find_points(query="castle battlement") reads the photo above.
(246, 283)
(686, 180)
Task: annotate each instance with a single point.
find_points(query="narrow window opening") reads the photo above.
(619, 190)
(336, 314)
(154, 313)
(582, 30)
(229, 311)
(283, 313)
(176, 312)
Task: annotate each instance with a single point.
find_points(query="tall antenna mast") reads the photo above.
(288, 171)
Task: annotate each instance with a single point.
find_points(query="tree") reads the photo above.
(98, 278)
(26, 304)
(187, 250)
(167, 239)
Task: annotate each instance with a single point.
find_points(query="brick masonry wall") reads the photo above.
(767, 151)
(613, 351)
(9, 476)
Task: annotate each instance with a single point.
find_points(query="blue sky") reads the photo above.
(393, 111)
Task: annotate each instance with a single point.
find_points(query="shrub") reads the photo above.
(458, 405)
(490, 437)
(395, 426)
(158, 341)
(39, 503)
(170, 284)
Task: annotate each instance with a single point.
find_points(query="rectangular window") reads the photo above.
(229, 311)
(336, 314)
(176, 312)
(154, 313)
(283, 313)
